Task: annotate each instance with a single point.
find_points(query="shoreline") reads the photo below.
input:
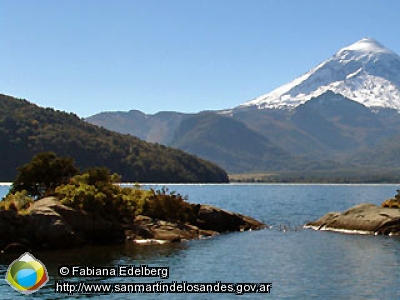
(246, 184)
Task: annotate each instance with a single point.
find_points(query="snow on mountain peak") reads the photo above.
(367, 45)
(365, 72)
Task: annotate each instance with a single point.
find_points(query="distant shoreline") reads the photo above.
(233, 183)
(314, 182)
(319, 177)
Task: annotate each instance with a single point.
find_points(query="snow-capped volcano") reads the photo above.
(365, 72)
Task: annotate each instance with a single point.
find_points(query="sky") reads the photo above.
(176, 55)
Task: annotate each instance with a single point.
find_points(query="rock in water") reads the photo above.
(214, 218)
(210, 221)
(361, 219)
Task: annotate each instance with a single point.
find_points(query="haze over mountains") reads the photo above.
(339, 115)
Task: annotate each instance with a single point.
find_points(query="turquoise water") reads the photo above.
(300, 264)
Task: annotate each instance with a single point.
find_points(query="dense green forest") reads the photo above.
(27, 129)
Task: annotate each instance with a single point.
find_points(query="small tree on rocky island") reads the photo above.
(43, 174)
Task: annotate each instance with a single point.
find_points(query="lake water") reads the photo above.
(300, 263)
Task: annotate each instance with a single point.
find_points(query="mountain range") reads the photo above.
(341, 115)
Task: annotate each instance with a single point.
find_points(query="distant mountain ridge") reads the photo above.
(329, 127)
(152, 128)
(321, 134)
(338, 116)
(230, 142)
(26, 129)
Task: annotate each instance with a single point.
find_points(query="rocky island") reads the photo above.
(51, 225)
(72, 209)
(363, 219)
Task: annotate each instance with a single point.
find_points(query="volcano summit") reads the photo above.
(365, 72)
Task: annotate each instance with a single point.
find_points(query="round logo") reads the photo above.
(27, 274)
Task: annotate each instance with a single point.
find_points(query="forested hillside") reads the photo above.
(26, 129)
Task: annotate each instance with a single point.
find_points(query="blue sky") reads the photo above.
(182, 55)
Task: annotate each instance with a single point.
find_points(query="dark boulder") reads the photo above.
(87, 228)
(51, 225)
(214, 218)
(11, 228)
